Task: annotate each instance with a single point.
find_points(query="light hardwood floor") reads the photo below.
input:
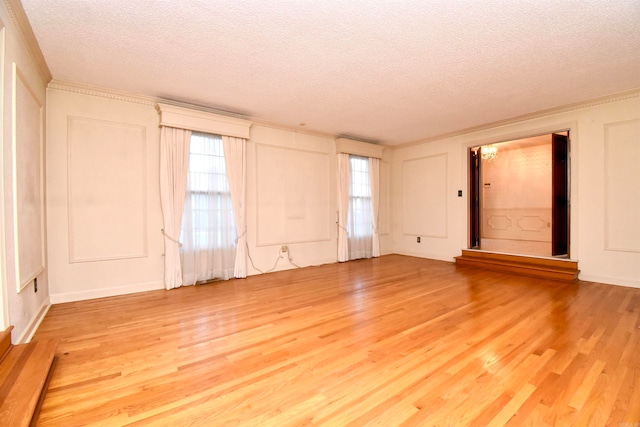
(391, 341)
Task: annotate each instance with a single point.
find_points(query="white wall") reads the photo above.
(605, 189)
(103, 196)
(516, 193)
(103, 200)
(424, 185)
(22, 118)
(291, 191)
(609, 206)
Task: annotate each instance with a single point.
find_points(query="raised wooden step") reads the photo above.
(545, 268)
(25, 371)
(5, 341)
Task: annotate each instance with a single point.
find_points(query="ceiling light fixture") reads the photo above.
(489, 152)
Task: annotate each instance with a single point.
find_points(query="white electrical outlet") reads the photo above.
(284, 248)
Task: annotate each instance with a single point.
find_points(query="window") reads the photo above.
(359, 224)
(208, 227)
(208, 210)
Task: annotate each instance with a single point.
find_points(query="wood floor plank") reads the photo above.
(391, 341)
(512, 406)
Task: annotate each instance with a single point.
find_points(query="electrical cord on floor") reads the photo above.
(251, 259)
(275, 264)
(291, 259)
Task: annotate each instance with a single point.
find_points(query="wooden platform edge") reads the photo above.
(25, 373)
(5, 342)
(45, 387)
(543, 268)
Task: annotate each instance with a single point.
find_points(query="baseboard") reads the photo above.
(610, 280)
(436, 257)
(32, 327)
(286, 265)
(105, 292)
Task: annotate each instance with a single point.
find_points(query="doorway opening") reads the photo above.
(519, 196)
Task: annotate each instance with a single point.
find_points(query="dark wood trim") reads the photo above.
(560, 195)
(474, 198)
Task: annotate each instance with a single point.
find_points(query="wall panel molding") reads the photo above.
(424, 188)
(28, 180)
(529, 224)
(4, 300)
(622, 206)
(292, 195)
(107, 190)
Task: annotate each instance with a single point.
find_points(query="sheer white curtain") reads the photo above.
(343, 206)
(236, 162)
(208, 226)
(174, 163)
(359, 224)
(374, 183)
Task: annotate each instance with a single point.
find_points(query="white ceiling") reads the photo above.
(390, 71)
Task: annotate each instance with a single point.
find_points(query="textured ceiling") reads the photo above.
(382, 70)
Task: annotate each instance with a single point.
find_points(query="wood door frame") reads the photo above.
(561, 191)
(474, 198)
(472, 221)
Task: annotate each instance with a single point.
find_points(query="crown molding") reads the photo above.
(85, 89)
(153, 101)
(295, 129)
(135, 98)
(20, 20)
(620, 96)
(119, 95)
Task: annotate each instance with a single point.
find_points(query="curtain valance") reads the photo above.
(359, 148)
(203, 121)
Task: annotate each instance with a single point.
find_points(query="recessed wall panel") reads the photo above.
(292, 196)
(107, 190)
(622, 186)
(28, 116)
(425, 196)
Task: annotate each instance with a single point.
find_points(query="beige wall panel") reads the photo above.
(292, 196)
(516, 193)
(622, 186)
(24, 310)
(425, 196)
(103, 195)
(518, 178)
(107, 190)
(28, 182)
(290, 150)
(4, 300)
